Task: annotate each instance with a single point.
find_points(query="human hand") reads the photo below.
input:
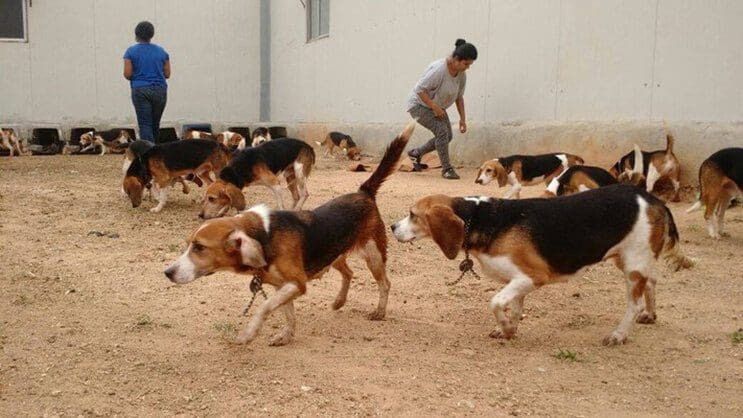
(438, 111)
(462, 126)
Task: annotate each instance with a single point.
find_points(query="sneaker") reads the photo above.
(415, 157)
(450, 174)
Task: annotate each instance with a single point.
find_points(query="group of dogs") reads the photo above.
(521, 242)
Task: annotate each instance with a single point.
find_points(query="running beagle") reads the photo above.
(720, 181)
(263, 165)
(287, 249)
(656, 165)
(165, 164)
(533, 242)
(525, 170)
(112, 140)
(340, 140)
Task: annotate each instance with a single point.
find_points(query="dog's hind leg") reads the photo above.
(347, 275)
(636, 286)
(374, 253)
(301, 183)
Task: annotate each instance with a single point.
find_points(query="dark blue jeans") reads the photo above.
(149, 103)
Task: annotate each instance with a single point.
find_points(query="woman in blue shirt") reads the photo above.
(146, 66)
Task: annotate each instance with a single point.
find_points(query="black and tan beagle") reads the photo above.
(340, 140)
(287, 249)
(525, 170)
(655, 166)
(533, 242)
(579, 178)
(288, 157)
(720, 181)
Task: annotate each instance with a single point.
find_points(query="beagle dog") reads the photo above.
(656, 165)
(10, 141)
(165, 164)
(340, 140)
(579, 178)
(229, 139)
(533, 242)
(287, 249)
(193, 134)
(264, 165)
(720, 181)
(525, 170)
(111, 140)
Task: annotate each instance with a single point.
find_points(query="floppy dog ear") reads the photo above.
(237, 199)
(251, 251)
(501, 175)
(446, 228)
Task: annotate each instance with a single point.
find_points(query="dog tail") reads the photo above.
(672, 249)
(389, 162)
(669, 143)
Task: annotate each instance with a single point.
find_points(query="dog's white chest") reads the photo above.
(498, 267)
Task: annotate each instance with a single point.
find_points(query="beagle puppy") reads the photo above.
(579, 178)
(525, 170)
(193, 134)
(720, 181)
(264, 165)
(10, 141)
(287, 249)
(534, 242)
(656, 165)
(111, 140)
(165, 164)
(340, 140)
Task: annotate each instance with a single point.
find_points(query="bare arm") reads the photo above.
(462, 117)
(166, 69)
(128, 70)
(437, 111)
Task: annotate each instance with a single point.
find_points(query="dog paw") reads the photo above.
(282, 338)
(376, 315)
(156, 209)
(500, 334)
(615, 338)
(646, 318)
(338, 303)
(245, 337)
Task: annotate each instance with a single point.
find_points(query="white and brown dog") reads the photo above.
(720, 181)
(287, 249)
(259, 136)
(115, 140)
(10, 141)
(533, 242)
(656, 165)
(230, 139)
(288, 157)
(194, 134)
(525, 170)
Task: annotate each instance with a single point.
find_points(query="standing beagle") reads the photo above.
(287, 249)
(533, 242)
(656, 165)
(525, 170)
(720, 181)
(340, 140)
(264, 165)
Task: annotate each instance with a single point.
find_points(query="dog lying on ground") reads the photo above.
(287, 249)
(533, 242)
(193, 134)
(165, 164)
(656, 165)
(340, 140)
(264, 165)
(720, 181)
(115, 140)
(10, 141)
(525, 170)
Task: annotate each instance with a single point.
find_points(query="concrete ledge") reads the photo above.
(599, 143)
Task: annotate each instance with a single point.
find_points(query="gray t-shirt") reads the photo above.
(440, 86)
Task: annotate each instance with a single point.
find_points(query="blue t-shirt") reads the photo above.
(147, 64)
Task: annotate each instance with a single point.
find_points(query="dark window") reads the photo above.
(318, 19)
(13, 20)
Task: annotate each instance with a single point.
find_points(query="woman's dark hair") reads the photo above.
(464, 50)
(144, 31)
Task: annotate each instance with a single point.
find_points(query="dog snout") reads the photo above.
(201, 215)
(170, 273)
(478, 181)
(393, 227)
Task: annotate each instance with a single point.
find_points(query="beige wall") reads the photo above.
(70, 71)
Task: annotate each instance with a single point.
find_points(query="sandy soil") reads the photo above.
(90, 326)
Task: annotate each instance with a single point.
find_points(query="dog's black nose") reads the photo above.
(393, 227)
(478, 181)
(170, 273)
(201, 215)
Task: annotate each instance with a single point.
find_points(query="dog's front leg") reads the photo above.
(89, 147)
(161, 194)
(513, 294)
(286, 334)
(282, 296)
(103, 149)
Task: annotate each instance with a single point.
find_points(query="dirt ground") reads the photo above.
(91, 326)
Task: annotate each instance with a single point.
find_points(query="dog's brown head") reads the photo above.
(86, 139)
(433, 217)
(232, 244)
(219, 198)
(134, 188)
(353, 154)
(492, 170)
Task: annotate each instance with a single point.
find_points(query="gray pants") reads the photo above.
(441, 128)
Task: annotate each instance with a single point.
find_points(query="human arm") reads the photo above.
(437, 110)
(166, 69)
(128, 70)
(462, 117)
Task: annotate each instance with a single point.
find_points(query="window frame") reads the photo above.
(309, 17)
(24, 12)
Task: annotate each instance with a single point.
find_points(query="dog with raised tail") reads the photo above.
(287, 249)
(656, 165)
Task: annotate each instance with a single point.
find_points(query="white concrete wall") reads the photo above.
(567, 60)
(70, 71)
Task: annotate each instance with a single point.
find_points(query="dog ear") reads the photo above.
(500, 174)
(237, 199)
(446, 229)
(250, 250)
